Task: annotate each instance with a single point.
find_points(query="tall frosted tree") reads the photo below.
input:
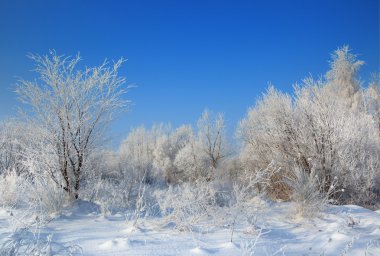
(343, 75)
(73, 105)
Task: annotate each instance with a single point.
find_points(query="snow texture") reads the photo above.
(339, 230)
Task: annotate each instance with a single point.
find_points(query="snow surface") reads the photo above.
(340, 230)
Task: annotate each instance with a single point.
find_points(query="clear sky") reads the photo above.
(184, 56)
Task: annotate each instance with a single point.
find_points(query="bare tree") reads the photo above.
(212, 136)
(73, 105)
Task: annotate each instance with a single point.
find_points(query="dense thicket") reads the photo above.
(329, 128)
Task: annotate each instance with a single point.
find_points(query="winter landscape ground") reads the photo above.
(82, 230)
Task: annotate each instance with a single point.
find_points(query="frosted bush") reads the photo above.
(25, 242)
(110, 194)
(241, 207)
(309, 192)
(187, 204)
(9, 188)
(49, 197)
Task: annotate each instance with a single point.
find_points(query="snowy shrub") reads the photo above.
(25, 242)
(239, 205)
(309, 192)
(33, 190)
(12, 139)
(31, 201)
(111, 195)
(187, 204)
(10, 184)
(241, 208)
(37, 200)
(248, 246)
(133, 197)
(24, 246)
(33, 195)
(49, 197)
(43, 191)
(141, 203)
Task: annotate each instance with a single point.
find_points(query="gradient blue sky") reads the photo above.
(188, 55)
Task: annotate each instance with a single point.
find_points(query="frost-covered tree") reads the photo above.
(72, 105)
(212, 137)
(341, 142)
(204, 151)
(268, 131)
(268, 138)
(322, 129)
(167, 149)
(191, 161)
(136, 153)
(343, 75)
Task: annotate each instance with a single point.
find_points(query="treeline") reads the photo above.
(322, 142)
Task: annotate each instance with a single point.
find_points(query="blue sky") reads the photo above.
(184, 56)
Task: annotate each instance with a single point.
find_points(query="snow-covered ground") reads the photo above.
(339, 230)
